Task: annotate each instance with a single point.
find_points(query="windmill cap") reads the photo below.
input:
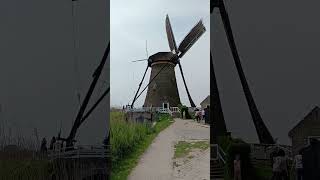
(163, 56)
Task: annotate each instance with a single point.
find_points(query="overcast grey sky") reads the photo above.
(37, 76)
(135, 21)
(278, 43)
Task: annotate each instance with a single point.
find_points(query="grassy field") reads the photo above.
(129, 141)
(263, 172)
(27, 169)
(183, 148)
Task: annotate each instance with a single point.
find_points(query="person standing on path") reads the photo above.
(237, 168)
(198, 115)
(297, 163)
(203, 113)
(53, 140)
(284, 165)
(207, 112)
(276, 170)
(43, 148)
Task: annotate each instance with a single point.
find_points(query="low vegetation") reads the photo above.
(18, 156)
(263, 172)
(183, 148)
(129, 140)
(24, 169)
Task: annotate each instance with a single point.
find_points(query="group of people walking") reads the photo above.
(199, 115)
(280, 167)
(202, 114)
(54, 145)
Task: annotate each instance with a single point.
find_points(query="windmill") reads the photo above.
(162, 87)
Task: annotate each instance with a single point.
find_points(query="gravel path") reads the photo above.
(157, 162)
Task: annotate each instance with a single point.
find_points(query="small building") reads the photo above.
(205, 102)
(308, 128)
(311, 159)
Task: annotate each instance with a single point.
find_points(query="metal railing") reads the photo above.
(154, 109)
(174, 109)
(219, 154)
(263, 151)
(80, 151)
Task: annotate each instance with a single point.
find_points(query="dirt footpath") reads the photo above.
(158, 161)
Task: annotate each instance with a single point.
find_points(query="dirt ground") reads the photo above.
(158, 161)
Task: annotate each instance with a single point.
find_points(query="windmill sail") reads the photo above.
(171, 40)
(191, 38)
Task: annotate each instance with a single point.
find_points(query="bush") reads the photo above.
(161, 117)
(185, 109)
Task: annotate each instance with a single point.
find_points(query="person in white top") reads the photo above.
(297, 163)
(276, 168)
(203, 114)
(279, 167)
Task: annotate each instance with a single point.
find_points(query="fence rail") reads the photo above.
(81, 151)
(263, 151)
(219, 154)
(153, 109)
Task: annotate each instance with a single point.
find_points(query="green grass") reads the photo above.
(24, 169)
(129, 141)
(183, 148)
(263, 172)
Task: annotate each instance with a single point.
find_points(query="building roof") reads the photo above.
(315, 110)
(206, 100)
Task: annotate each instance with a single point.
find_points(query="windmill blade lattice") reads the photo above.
(171, 40)
(191, 38)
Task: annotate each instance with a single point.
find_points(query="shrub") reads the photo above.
(185, 109)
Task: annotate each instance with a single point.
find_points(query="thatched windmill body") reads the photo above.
(162, 86)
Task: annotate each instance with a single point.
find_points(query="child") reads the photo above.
(237, 168)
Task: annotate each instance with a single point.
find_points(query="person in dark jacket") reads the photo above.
(43, 148)
(53, 140)
(206, 115)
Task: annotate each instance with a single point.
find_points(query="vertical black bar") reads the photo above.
(85, 102)
(262, 131)
(217, 123)
(135, 96)
(185, 85)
